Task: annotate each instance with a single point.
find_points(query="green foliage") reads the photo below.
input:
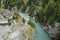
(9, 22)
(47, 11)
(23, 20)
(32, 24)
(15, 16)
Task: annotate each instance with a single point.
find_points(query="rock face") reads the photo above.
(3, 20)
(15, 31)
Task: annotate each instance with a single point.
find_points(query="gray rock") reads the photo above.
(3, 20)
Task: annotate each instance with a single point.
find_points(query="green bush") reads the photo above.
(47, 11)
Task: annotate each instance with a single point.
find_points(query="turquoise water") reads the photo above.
(40, 34)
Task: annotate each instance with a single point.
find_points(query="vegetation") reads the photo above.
(31, 23)
(44, 11)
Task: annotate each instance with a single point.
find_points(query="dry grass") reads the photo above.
(29, 32)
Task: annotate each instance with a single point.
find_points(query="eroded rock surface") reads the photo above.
(15, 31)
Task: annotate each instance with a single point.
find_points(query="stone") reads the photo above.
(14, 35)
(16, 31)
(3, 20)
(3, 30)
(1, 39)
